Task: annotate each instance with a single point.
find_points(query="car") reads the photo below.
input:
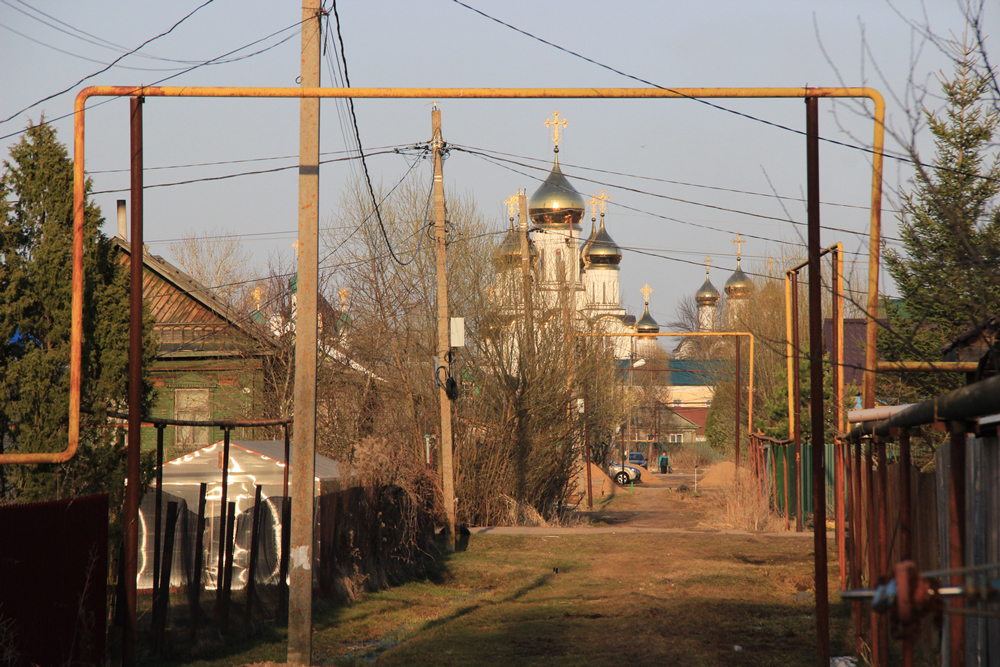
(624, 474)
(638, 459)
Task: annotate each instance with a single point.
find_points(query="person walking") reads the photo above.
(664, 463)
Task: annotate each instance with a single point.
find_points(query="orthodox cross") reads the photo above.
(739, 241)
(593, 208)
(646, 291)
(512, 205)
(770, 261)
(708, 260)
(556, 126)
(602, 200)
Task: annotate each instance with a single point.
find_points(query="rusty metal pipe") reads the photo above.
(132, 490)
(872, 542)
(905, 528)
(882, 502)
(796, 403)
(818, 437)
(956, 540)
(737, 392)
(79, 178)
(927, 366)
(857, 554)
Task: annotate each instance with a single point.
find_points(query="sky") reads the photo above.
(684, 178)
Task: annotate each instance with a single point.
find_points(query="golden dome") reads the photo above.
(556, 203)
(508, 255)
(600, 249)
(739, 285)
(707, 295)
(647, 325)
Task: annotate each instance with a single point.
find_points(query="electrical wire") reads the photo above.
(901, 158)
(168, 78)
(113, 63)
(663, 180)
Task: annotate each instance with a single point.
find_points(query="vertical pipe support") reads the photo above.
(818, 418)
(132, 490)
(796, 403)
(738, 391)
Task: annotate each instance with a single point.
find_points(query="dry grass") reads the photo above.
(695, 454)
(741, 507)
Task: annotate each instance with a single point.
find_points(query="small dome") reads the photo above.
(556, 202)
(508, 255)
(739, 285)
(707, 295)
(647, 325)
(600, 249)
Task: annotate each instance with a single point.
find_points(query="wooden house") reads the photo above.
(209, 358)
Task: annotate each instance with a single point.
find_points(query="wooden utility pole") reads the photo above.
(303, 461)
(443, 372)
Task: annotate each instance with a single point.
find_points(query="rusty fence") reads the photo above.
(926, 551)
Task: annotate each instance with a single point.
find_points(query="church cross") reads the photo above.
(557, 126)
(646, 291)
(739, 241)
(257, 293)
(770, 261)
(602, 200)
(593, 207)
(708, 260)
(511, 205)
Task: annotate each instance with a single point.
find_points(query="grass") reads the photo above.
(644, 599)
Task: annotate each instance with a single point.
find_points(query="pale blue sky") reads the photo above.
(440, 43)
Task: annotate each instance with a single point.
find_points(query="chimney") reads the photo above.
(122, 221)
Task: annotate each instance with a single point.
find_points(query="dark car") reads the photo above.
(637, 459)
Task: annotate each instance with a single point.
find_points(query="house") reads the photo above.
(979, 345)
(209, 359)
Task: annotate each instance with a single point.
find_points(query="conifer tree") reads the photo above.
(947, 273)
(36, 204)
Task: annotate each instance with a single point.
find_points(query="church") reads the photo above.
(578, 279)
(574, 278)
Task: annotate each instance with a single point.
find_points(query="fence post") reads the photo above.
(194, 592)
(252, 568)
(162, 603)
(227, 575)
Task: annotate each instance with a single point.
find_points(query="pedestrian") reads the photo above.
(664, 463)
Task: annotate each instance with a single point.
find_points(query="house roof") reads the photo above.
(697, 372)
(177, 299)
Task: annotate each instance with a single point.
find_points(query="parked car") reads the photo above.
(624, 474)
(638, 459)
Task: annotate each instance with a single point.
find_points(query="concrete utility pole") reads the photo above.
(443, 372)
(303, 461)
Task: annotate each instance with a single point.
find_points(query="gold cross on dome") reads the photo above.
(593, 207)
(770, 261)
(556, 126)
(257, 293)
(708, 260)
(646, 291)
(739, 241)
(602, 200)
(511, 203)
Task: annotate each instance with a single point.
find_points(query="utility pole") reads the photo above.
(303, 461)
(442, 372)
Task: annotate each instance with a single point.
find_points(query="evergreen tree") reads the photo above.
(36, 211)
(947, 273)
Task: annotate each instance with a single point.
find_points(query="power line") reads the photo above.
(216, 60)
(901, 158)
(663, 217)
(665, 180)
(357, 136)
(113, 63)
(237, 175)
